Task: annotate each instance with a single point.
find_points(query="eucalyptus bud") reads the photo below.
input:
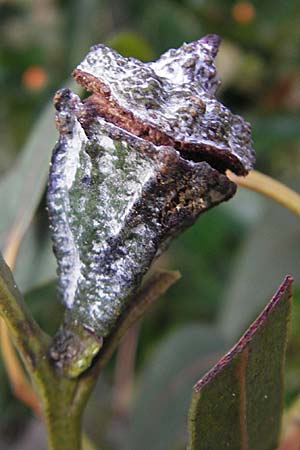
(136, 163)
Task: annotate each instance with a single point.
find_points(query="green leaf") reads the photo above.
(269, 253)
(238, 404)
(159, 411)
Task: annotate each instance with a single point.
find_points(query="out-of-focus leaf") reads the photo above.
(239, 69)
(238, 404)
(246, 207)
(98, 423)
(32, 437)
(290, 432)
(167, 24)
(43, 303)
(269, 130)
(159, 412)
(197, 254)
(83, 29)
(270, 252)
(131, 44)
(36, 264)
(21, 189)
(228, 62)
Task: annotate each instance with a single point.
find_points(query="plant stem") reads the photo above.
(269, 187)
(63, 399)
(30, 340)
(63, 428)
(20, 384)
(56, 393)
(124, 372)
(62, 417)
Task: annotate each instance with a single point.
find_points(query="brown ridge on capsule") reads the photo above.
(102, 104)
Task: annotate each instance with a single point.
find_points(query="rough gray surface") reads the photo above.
(115, 199)
(176, 95)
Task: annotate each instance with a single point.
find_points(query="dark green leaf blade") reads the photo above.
(238, 404)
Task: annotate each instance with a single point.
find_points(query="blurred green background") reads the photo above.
(231, 261)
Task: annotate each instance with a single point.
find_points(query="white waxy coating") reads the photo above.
(113, 204)
(115, 200)
(175, 94)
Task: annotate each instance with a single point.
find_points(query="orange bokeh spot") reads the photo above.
(243, 12)
(34, 78)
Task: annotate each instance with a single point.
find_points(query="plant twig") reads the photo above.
(19, 320)
(153, 288)
(124, 371)
(26, 333)
(269, 187)
(18, 380)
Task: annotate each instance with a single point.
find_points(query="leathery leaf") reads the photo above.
(238, 403)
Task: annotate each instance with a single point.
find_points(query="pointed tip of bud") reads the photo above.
(212, 42)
